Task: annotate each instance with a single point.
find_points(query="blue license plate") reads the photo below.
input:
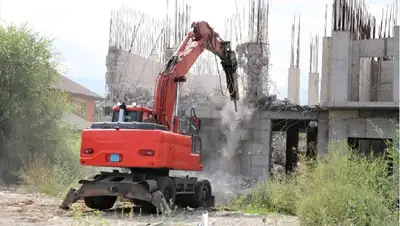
(115, 158)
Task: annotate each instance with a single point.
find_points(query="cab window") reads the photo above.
(129, 116)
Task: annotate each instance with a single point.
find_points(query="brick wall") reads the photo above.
(87, 103)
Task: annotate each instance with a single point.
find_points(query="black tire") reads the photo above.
(202, 195)
(100, 202)
(167, 187)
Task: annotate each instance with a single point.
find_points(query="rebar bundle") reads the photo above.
(294, 58)
(177, 22)
(353, 16)
(135, 32)
(249, 23)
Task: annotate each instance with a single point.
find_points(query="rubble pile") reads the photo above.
(140, 96)
(272, 103)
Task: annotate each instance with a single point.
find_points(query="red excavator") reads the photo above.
(150, 143)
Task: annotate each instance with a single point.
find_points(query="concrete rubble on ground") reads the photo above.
(41, 210)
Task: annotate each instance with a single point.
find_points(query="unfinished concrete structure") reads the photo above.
(138, 47)
(134, 57)
(360, 75)
(359, 98)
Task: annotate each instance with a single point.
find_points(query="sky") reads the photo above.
(80, 31)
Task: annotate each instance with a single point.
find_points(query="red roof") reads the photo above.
(70, 86)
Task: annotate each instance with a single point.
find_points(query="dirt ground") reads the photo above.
(19, 208)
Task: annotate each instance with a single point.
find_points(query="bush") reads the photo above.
(280, 197)
(343, 188)
(35, 145)
(53, 175)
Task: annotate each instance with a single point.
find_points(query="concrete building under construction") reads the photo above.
(359, 96)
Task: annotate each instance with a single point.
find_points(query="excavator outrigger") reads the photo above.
(148, 141)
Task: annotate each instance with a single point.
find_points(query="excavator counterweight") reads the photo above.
(150, 142)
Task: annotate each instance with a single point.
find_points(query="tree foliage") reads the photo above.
(31, 111)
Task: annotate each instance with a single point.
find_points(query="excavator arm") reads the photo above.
(201, 37)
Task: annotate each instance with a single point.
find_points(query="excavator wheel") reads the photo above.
(100, 202)
(202, 196)
(167, 187)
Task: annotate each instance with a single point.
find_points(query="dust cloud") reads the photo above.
(225, 178)
(235, 128)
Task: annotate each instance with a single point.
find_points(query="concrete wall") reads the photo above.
(339, 79)
(365, 80)
(127, 71)
(130, 70)
(358, 124)
(397, 67)
(258, 160)
(333, 125)
(326, 71)
(350, 78)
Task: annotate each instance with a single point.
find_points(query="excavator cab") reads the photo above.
(131, 113)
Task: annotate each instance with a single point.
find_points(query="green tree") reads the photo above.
(31, 112)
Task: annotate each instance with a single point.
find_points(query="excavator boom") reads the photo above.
(174, 71)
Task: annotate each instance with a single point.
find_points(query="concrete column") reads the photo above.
(322, 136)
(268, 143)
(292, 146)
(365, 80)
(339, 83)
(374, 92)
(325, 70)
(311, 142)
(313, 91)
(294, 85)
(397, 68)
(261, 150)
(354, 75)
(255, 67)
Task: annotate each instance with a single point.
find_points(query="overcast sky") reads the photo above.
(80, 29)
